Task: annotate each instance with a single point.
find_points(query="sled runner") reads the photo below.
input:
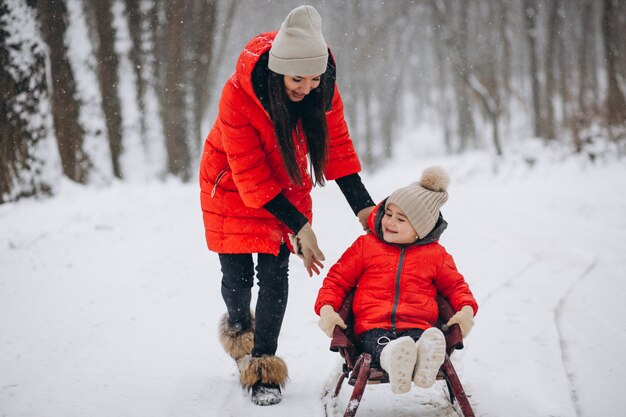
(358, 369)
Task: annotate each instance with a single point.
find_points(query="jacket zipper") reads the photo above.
(217, 180)
(396, 296)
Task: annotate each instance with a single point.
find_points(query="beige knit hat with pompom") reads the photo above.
(421, 201)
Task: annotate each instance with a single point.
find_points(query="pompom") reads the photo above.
(435, 179)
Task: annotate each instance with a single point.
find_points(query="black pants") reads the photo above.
(237, 280)
(374, 341)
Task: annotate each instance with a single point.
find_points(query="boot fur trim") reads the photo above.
(266, 369)
(236, 343)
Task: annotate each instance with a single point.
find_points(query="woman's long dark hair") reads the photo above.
(285, 115)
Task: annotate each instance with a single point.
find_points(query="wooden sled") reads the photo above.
(358, 369)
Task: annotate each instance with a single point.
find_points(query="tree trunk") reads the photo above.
(550, 62)
(173, 107)
(584, 65)
(506, 56)
(467, 129)
(615, 103)
(530, 14)
(108, 79)
(441, 82)
(368, 158)
(221, 47)
(495, 121)
(24, 113)
(137, 58)
(564, 79)
(65, 108)
(203, 24)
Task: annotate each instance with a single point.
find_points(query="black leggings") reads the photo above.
(237, 280)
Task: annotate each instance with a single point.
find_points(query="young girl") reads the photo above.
(397, 271)
(278, 111)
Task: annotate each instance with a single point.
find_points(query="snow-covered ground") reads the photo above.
(109, 299)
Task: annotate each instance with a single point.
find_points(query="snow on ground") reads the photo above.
(109, 299)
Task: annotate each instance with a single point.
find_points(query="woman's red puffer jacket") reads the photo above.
(242, 169)
(396, 285)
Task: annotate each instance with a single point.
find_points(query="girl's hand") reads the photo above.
(464, 318)
(329, 319)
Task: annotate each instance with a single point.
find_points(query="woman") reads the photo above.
(278, 111)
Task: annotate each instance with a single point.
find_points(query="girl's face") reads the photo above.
(396, 227)
(298, 87)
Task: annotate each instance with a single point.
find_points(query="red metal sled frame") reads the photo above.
(358, 370)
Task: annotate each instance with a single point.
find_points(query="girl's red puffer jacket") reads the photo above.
(396, 285)
(242, 169)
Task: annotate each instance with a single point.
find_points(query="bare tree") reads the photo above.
(457, 60)
(441, 76)
(615, 103)
(137, 56)
(24, 121)
(144, 28)
(550, 64)
(202, 24)
(585, 67)
(173, 95)
(400, 33)
(65, 107)
(565, 76)
(466, 128)
(222, 34)
(487, 95)
(374, 55)
(108, 79)
(506, 54)
(530, 15)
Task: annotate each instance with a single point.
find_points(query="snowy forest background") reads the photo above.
(100, 91)
(109, 299)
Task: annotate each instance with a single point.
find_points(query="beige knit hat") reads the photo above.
(422, 200)
(299, 47)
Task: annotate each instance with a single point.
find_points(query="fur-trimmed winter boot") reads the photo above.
(237, 342)
(431, 352)
(398, 359)
(264, 377)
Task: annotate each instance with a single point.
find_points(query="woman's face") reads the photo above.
(396, 227)
(298, 87)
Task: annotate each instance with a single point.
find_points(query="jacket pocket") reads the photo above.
(218, 179)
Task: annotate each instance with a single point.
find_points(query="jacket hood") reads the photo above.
(252, 70)
(248, 59)
(375, 224)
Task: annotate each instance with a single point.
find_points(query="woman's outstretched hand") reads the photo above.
(363, 215)
(305, 246)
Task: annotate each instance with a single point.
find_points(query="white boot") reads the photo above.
(431, 352)
(398, 359)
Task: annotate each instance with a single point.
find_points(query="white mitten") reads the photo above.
(329, 319)
(464, 318)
